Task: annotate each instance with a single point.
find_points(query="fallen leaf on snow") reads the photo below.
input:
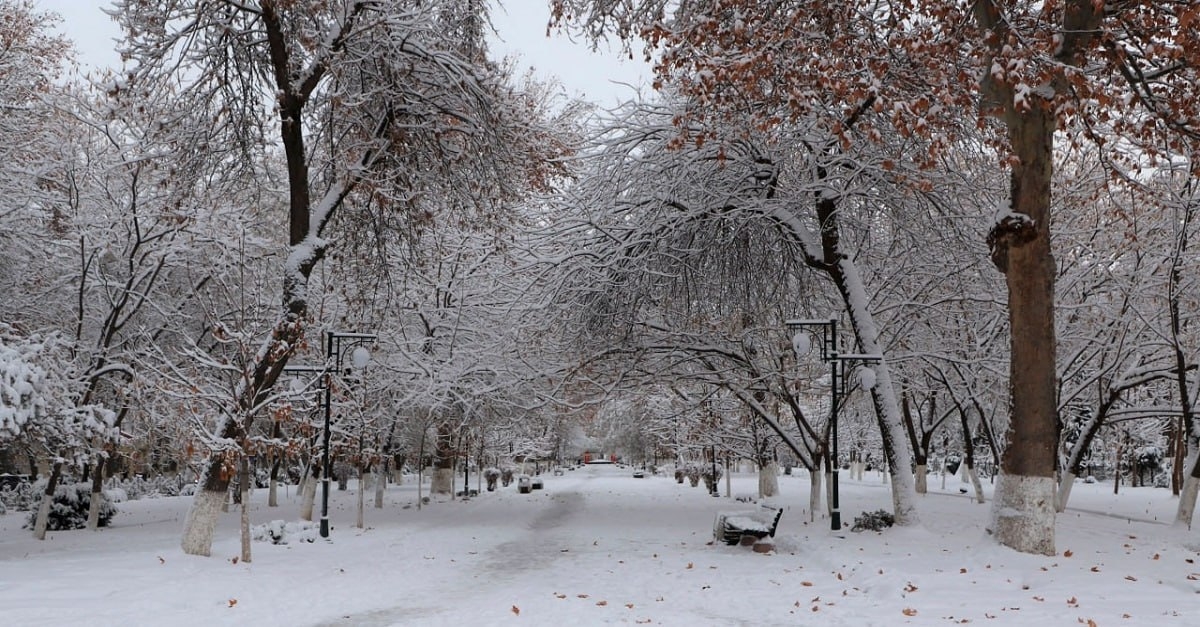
(516, 610)
(1068, 553)
(1130, 578)
(601, 603)
(232, 602)
(908, 611)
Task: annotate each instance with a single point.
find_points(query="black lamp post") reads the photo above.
(827, 331)
(336, 346)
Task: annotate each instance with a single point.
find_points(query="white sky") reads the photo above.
(521, 32)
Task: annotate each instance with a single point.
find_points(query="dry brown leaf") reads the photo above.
(1156, 556)
(962, 571)
(582, 596)
(601, 603)
(1072, 601)
(690, 566)
(232, 602)
(806, 584)
(1068, 553)
(560, 596)
(909, 587)
(516, 610)
(908, 611)
(1095, 569)
(1130, 578)
(1039, 599)
(629, 605)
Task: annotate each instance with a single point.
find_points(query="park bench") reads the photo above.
(732, 526)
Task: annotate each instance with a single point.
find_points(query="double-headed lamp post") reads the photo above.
(826, 331)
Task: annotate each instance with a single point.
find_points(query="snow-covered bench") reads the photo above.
(733, 525)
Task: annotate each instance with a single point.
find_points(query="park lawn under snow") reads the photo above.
(598, 546)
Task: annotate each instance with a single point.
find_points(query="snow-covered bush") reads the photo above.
(877, 520)
(69, 509)
(280, 532)
(491, 475)
(21, 498)
(506, 475)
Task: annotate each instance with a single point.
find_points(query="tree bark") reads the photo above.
(97, 497)
(1023, 510)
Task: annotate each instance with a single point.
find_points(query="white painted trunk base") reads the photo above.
(380, 484)
(94, 502)
(1064, 491)
(922, 479)
(1023, 513)
(308, 496)
(1187, 492)
(974, 479)
(43, 518)
(201, 522)
(768, 480)
(814, 495)
(442, 483)
(273, 493)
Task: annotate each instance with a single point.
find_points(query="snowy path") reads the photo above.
(598, 546)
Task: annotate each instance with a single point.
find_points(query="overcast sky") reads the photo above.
(521, 32)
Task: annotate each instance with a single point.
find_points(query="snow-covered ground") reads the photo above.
(598, 546)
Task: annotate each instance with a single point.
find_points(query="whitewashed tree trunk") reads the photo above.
(974, 478)
(768, 480)
(443, 482)
(96, 500)
(829, 493)
(201, 522)
(922, 479)
(1023, 513)
(97, 497)
(364, 480)
(1064, 491)
(1187, 495)
(42, 520)
(380, 484)
(308, 497)
(814, 494)
(244, 522)
(273, 493)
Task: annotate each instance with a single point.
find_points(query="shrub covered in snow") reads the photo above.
(69, 509)
(21, 498)
(280, 532)
(877, 520)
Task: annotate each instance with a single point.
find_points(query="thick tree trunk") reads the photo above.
(922, 479)
(1023, 510)
(974, 479)
(43, 514)
(201, 522)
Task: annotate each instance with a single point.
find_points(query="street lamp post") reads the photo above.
(336, 345)
(826, 330)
